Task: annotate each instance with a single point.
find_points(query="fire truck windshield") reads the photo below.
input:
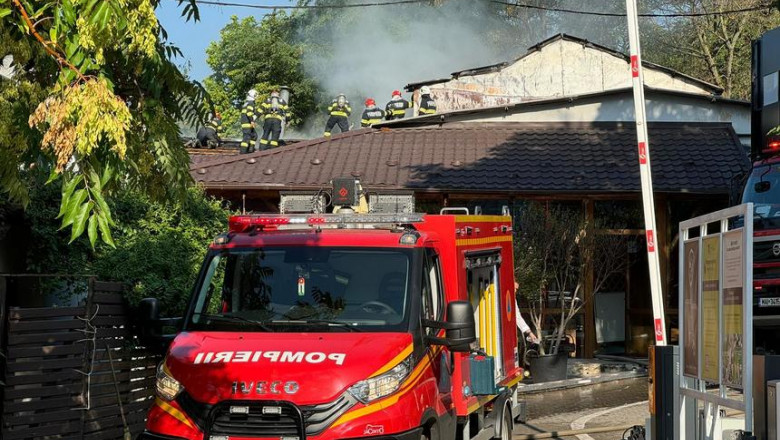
(763, 189)
(304, 289)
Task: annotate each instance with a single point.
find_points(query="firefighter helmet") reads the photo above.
(251, 94)
(370, 102)
(396, 93)
(275, 94)
(341, 99)
(425, 90)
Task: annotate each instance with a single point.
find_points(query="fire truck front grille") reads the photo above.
(247, 418)
(319, 417)
(257, 419)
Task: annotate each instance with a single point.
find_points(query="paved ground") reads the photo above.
(607, 404)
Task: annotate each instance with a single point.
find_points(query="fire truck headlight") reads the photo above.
(383, 385)
(167, 387)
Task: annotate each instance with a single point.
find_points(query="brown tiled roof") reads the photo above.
(495, 157)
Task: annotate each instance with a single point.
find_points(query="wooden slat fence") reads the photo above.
(58, 376)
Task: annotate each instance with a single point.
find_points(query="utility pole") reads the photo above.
(643, 147)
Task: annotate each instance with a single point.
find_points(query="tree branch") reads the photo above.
(57, 56)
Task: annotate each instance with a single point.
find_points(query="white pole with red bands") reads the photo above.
(643, 150)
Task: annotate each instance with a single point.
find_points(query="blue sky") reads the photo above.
(194, 37)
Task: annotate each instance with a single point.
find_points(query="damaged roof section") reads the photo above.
(560, 66)
(495, 157)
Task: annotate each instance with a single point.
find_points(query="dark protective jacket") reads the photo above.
(215, 124)
(396, 108)
(371, 115)
(337, 110)
(271, 110)
(427, 105)
(248, 114)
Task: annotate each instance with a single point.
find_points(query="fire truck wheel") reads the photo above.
(431, 432)
(506, 430)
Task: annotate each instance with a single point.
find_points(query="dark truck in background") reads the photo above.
(763, 189)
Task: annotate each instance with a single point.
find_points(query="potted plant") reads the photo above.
(561, 262)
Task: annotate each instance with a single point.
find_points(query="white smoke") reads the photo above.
(377, 50)
(371, 51)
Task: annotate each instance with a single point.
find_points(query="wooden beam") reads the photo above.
(589, 348)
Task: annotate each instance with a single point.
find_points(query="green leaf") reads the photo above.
(103, 206)
(67, 191)
(105, 231)
(92, 229)
(72, 210)
(4, 12)
(68, 12)
(94, 180)
(80, 221)
(53, 33)
(108, 173)
(98, 14)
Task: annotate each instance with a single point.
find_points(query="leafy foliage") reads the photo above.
(159, 245)
(715, 48)
(562, 260)
(108, 106)
(264, 56)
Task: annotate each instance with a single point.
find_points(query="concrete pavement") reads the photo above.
(614, 403)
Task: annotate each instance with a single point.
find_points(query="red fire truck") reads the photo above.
(345, 325)
(763, 190)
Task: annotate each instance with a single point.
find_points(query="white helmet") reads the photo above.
(251, 94)
(425, 90)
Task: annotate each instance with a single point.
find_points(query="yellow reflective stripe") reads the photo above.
(395, 361)
(175, 413)
(392, 399)
(246, 125)
(399, 112)
(274, 143)
(336, 113)
(427, 111)
(264, 141)
(365, 121)
(327, 134)
(274, 116)
(486, 240)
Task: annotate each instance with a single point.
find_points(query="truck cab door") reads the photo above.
(433, 309)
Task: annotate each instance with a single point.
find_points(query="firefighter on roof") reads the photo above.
(339, 111)
(372, 114)
(396, 108)
(274, 109)
(427, 104)
(248, 123)
(209, 136)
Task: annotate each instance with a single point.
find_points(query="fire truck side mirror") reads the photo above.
(461, 329)
(149, 325)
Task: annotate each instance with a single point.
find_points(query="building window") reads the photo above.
(771, 88)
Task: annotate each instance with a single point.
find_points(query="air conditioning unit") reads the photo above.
(301, 202)
(391, 203)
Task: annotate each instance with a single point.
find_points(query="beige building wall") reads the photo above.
(560, 68)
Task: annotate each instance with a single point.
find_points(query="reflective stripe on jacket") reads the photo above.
(247, 114)
(336, 110)
(371, 116)
(396, 108)
(274, 112)
(427, 106)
